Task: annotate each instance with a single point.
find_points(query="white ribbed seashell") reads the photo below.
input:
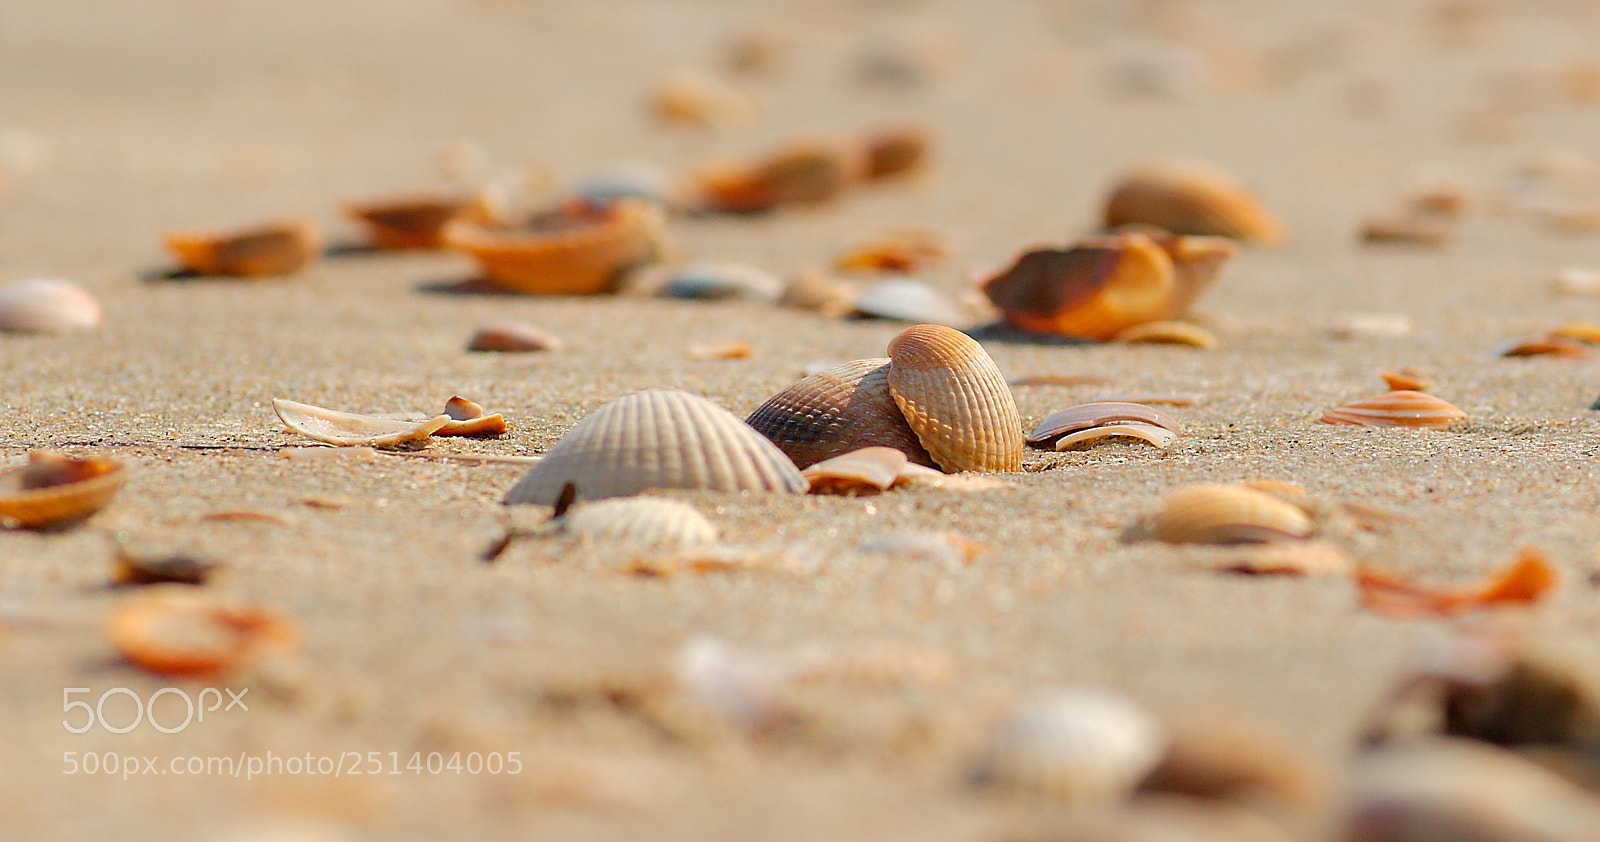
(659, 438)
(46, 304)
(1081, 746)
(651, 522)
(349, 429)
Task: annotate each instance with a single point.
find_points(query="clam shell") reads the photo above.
(175, 630)
(1168, 332)
(511, 337)
(417, 222)
(1148, 433)
(349, 429)
(955, 399)
(837, 411)
(1396, 409)
(579, 249)
(1190, 197)
(1082, 747)
(1227, 514)
(277, 248)
(1096, 289)
(46, 304)
(1096, 414)
(658, 439)
(651, 522)
(865, 471)
(906, 300)
(55, 489)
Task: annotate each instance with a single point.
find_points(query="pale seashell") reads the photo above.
(46, 304)
(1190, 197)
(1168, 332)
(1082, 747)
(1396, 409)
(727, 349)
(349, 429)
(955, 399)
(418, 222)
(739, 686)
(865, 471)
(918, 476)
(658, 439)
(1576, 281)
(510, 337)
(651, 522)
(178, 630)
(814, 290)
(1289, 558)
(579, 249)
(1379, 325)
(277, 248)
(1150, 434)
(1227, 514)
(54, 489)
(692, 95)
(469, 419)
(713, 280)
(627, 180)
(461, 409)
(1095, 414)
(906, 300)
(836, 411)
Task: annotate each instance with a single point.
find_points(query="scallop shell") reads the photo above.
(865, 471)
(512, 337)
(348, 429)
(906, 300)
(658, 439)
(1082, 747)
(580, 249)
(804, 173)
(175, 630)
(651, 522)
(837, 411)
(417, 222)
(1096, 414)
(1148, 433)
(955, 399)
(1096, 289)
(55, 489)
(277, 248)
(1190, 197)
(1396, 409)
(46, 304)
(1168, 332)
(1227, 514)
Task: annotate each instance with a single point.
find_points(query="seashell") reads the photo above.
(652, 522)
(919, 476)
(469, 419)
(1299, 558)
(1396, 409)
(174, 630)
(1407, 379)
(895, 151)
(331, 426)
(691, 95)
(277, 248)
(1096, 414)
(1148, 433)
(813, 290)
(1575, 281)
(803, 173)
(906, 300)
(1412, 229)
(1082, 747)
(1227, 514)
(658, 439)
(1190, 197)
(1230, 760)
(1168, 332)
(627, 180)
(837, 411)
(418, 222)
(54, 489)
(955, 399)
(512, 337)
(179, 569)
(1550, 346)
(905, 250)
(728, 349)
(579, 249)
(1586, 332)
(865, 471)
(711, 280)
(46, 304)
(1381, 325)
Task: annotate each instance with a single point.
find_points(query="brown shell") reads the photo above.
(802, 173)
(865, 471)
(895, 151)
(1549, 346)
(175, 630)
(579, 249)
(513, 337)
(1095, 414)
(278, 248)
(657, 439)
(54, 489)
(1227, 514)
(955, 399)
(1402, 408)
(837, 411)
(417, 222)
(1190, 197)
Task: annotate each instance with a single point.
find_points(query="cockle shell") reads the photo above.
(658, 439)
(1096, 414)
(955, 399)
(1227, 514)
(418, 222)
(469, 419)
(54, 489)
(648, 522)
(349, 429)
(46, 304)
(176, 630)
(1082, 747)
(1190, 197)
(865, 471)
(1396, 409)
(578, 249)
(277, 248)
(837, 411)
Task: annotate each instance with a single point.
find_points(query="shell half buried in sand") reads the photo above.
(1402, 408)
(348, 429)
(1081, 747)
(1227, 514)
(955, 399)
(643, 522)
(660, 438)
(1190, 197)
(1158, 437)
(578, 249)
(838, 411)
(278, 248)
(1086, 416)
(53, 489)
(418, 222)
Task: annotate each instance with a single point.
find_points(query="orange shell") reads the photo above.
(176, 630)
(417, 222)
(54, 489)
(1096, 289)
(278, 248)
(1190, 197)
(1402, 408)
(579, 249)
(895, 151)
(955, 398)
(803, 173)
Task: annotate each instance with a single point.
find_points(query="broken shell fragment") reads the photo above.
(1227, 514)
(53, 489)
(658, 439)
(1082, 747)
(513, 337)
(838, 411)
(1150, 434)
(578, 249)
(906, 300)
(645, 522)
(47, 305)
(175, 630)
(865, 471)
(418, 222)
(1190, 197)
(469, 419)
(278, 248)
(955, 399)
(1396, 409)
(1086, 416)
(348, 429)
(1168, 332)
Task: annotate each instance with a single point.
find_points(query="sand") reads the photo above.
(123, 120)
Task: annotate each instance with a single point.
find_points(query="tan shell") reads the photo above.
(579, 249)
(1190, 197)
(55, 489)
(469, 419)
(865, 471)
(46, 304)
(278, 248)
(658, 439)
(511, 337)
(1082, 747)
(1168, 332)
(955, 399)
(417, 222)
(651, 522)
(837, 411)
(176, 630)
(349, 429)
(1095, 414)
(814, 290)
(1227, 514)
(1396, 409)
(895, 151)
(1549, 346)
(1150, 434)
(802, 173)
(1585, 332)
